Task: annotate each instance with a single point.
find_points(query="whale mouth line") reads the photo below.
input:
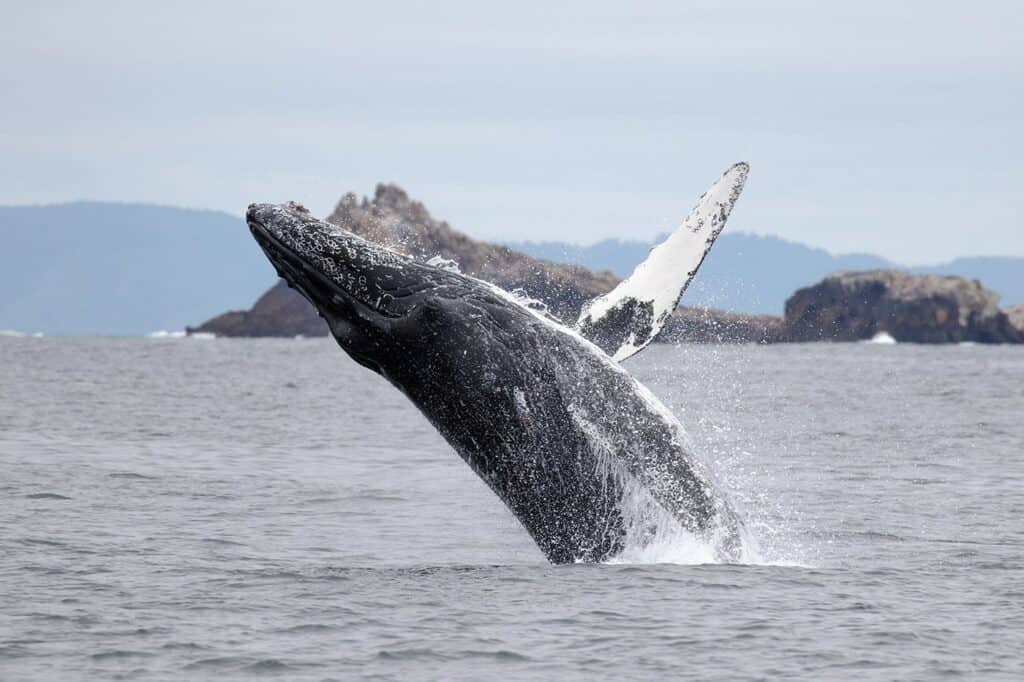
(315, 287)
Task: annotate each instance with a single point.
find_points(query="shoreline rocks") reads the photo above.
(855, 306)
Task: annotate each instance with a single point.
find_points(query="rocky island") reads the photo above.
(848, 306)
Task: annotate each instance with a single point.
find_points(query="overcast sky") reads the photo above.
(889, 127)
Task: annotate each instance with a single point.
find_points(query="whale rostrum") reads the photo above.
(585, 457)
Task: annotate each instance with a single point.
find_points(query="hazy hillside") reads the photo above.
(755, 274)
(1003, 275)
(100, 268)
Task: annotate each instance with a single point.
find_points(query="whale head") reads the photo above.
(363, 290)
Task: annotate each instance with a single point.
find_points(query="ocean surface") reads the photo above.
(232, 509)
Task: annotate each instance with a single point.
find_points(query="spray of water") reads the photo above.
(730, 457)
(444, 264)
(652, 534)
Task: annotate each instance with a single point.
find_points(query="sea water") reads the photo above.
(192, 508)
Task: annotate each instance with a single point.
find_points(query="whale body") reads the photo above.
(585, 457)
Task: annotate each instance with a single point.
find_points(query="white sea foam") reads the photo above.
(669, 543)
(738, 462)
(164, 334)
(527, 301)
(883, 338)
(679, 548)
(663, 540)
(15, 334)
(444, 264)
(654, 535)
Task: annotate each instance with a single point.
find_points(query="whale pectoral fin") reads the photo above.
(627, 318)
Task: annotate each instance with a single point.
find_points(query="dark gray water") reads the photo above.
(177, 509)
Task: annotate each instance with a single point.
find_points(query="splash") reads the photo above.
(652, 533)
(527, 301)
(883, 338)
(656, 537)
(732, 455)
(447, 264)
(14, 334)
(164, 334)
(726, 434)
(669, 543)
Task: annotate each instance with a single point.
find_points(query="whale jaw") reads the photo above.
(341, 275)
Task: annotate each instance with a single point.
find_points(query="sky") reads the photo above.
(883, 127)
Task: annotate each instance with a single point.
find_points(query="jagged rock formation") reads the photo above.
(396, 221)
(1015, 314)
(278, 312)
(850, 306)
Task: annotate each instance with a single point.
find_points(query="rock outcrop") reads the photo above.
(1015, 314)
(851, 306)
(279, 312)
(404, 225)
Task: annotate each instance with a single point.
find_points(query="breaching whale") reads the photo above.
(585, 457)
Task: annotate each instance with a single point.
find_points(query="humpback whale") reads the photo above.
(585, 456)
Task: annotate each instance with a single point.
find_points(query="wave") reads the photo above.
(663, 540)
(883, 338)
(444, 264)
(680, 547)
(164, 334)
(15, 334)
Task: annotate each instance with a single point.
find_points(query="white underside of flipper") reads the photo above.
(628, 317)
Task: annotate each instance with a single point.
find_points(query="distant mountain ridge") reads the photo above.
(755, 274)
(112, 268)
(109, 268)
